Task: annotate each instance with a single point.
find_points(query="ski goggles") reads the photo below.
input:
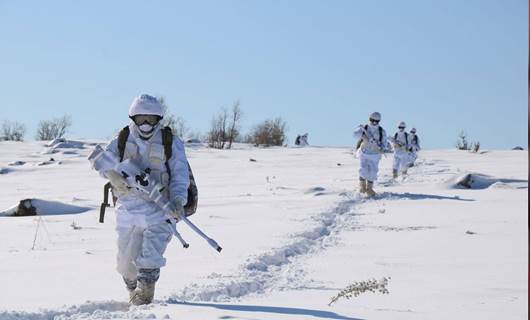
(146, 119)
(374, 121)
(401, 128)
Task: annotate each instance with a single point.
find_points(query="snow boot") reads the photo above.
(131, 287)
(370, 189)
(144, 294)
(362, 185)
(395, 173)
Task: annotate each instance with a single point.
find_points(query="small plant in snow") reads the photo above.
(357, 288)
(75, 226)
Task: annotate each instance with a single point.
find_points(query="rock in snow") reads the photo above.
(32, 207)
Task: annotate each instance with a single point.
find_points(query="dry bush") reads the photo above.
(224, 128)
(271, 132)
(54, 128)
(358, 288)
(462, 143)
(12, 131)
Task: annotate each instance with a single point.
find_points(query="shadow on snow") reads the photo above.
(420, 196)
(269, 309)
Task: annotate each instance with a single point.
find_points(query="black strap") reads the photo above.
(167, 142)
(122, 141)
(406, 138)
(380, 133)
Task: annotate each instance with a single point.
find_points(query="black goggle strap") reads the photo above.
(143, 119)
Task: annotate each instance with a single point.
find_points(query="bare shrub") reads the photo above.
(217, 136)
(235, 127)
(271, 132)
(475, 147)
(358, 288)
(177, 124)
(54, 128)
(462, 142)
(12, 131)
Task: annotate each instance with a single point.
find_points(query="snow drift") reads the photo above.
(31, 207)
(470, 180)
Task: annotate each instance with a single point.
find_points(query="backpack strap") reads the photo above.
(167, 141)
(122, 141)
(380, 135)
(395, 136)
(406, 138)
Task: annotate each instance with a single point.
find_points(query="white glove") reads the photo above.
(179, 210)
(118, 182)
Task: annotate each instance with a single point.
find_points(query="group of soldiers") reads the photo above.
(373, 142)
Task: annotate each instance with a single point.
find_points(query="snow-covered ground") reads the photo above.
(294, 234)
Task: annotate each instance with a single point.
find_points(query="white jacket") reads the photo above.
(372, 143)
(135, 208)
(401, 141)
(414, 142)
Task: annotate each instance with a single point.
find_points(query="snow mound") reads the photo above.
(16, 163)
(481, 181)
(269, 270)
(5, 170)
(315, 190)
(56, 145)
(42, 208)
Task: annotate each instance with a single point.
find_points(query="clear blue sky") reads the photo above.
(324, 66)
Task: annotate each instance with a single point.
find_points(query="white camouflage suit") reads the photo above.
(369, 152)
(414, 147)
(143, 230)
(401, 141)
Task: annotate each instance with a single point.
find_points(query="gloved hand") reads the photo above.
(118, 182)
(179, 209)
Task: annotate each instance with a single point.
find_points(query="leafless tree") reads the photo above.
(475, 147)
(177, 124)
(13, 131)
(271, 132)
(462, 143)
(54, 128)
(235, 118)
(217, 136)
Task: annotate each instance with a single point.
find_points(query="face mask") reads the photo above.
(146, 130)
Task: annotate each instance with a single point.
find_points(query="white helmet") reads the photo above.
(146, 104)
(413, 130)
(375, 116)
(402, 124)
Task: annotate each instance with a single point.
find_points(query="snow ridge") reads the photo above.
(275, 269)
(89, 310)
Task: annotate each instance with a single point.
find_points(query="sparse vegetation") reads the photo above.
(271, 132)
(54, 128)
(462, 142)
(12, 131)
(225, 127)
(177, 124)
(358, 288)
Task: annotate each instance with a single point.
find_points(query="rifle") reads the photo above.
(139, 180)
